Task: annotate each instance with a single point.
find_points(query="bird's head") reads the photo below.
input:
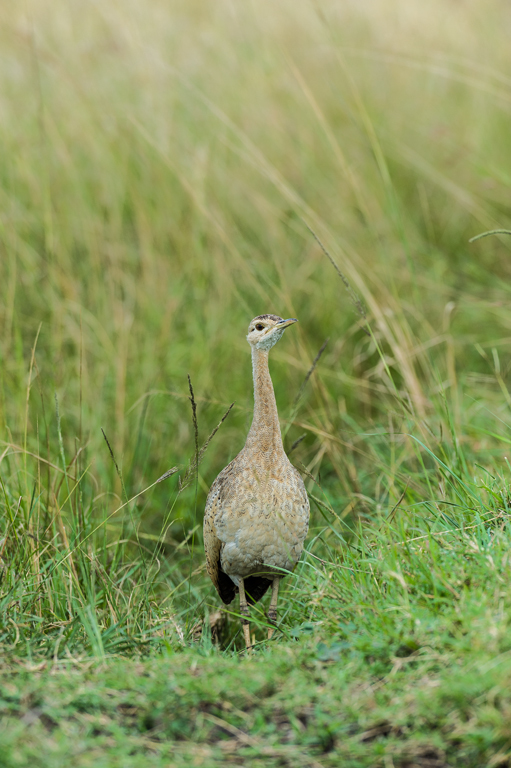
(265, 330)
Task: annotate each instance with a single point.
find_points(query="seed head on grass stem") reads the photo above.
(490, 232)
(355, 299)
(310, 372)
(194, 419)
(115, 464)
(199, 454)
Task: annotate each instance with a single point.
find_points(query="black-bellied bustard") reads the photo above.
(257, 511)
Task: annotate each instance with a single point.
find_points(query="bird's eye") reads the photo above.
(259, 327)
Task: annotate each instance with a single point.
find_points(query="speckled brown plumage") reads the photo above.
(257, 511)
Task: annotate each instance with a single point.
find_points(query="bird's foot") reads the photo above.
(246, 635)
(272, 618)
(245, 614)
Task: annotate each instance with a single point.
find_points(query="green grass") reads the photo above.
(162, 168)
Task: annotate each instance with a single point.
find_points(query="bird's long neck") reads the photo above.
(264, 435)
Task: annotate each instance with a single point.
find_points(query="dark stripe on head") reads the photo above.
(273, 318)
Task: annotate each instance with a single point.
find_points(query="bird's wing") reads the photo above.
(302, 502)
(212, 544)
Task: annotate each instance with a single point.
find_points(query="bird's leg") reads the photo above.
(272, 610)
(245, 613)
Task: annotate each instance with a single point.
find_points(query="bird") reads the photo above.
(257, 511)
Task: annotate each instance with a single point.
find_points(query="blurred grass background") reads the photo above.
(161, 166)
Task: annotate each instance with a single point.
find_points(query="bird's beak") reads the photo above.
(285, 323)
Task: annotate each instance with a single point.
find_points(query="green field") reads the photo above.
(167, 172)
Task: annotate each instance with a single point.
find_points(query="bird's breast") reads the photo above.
(264, 523)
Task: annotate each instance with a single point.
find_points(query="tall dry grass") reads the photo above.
(162, 168)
